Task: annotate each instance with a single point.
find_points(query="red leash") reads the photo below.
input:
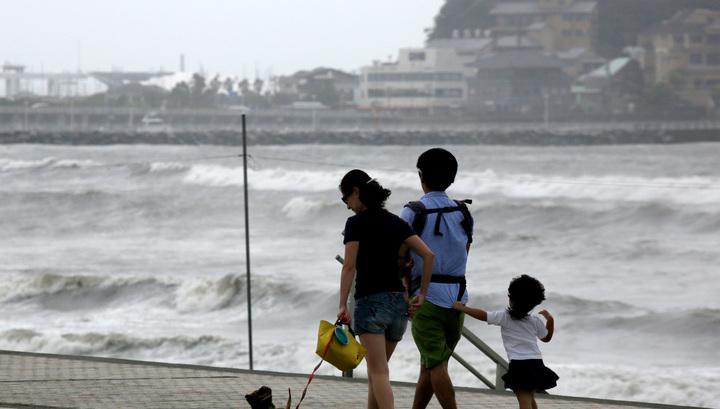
(312, 375)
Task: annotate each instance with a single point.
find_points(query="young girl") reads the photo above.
(520, 332)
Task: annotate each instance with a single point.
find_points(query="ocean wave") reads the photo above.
(75, 292)
(666, 385)
(682, 190)
(168, 167)
(698, 324)
(496, 216)
(567, 305)
(302, 207)
(144, 169)
(49, 291)
(7, 164)
(113, 344)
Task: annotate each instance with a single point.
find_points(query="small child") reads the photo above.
(520, 332)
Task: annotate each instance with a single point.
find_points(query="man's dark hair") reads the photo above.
(525, 293)
(438, 168)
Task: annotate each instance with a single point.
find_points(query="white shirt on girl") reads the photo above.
(519, 336)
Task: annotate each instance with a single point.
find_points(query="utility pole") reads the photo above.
(247, 240)
(546, 106)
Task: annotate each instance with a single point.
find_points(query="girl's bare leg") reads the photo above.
(525, 399)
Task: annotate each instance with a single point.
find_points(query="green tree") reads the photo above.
(258, 85)
(660, 99)
(197, 91)
(678, 80)
(244, 86)
(180, 96)
(462, 14)
(621, 21)
(229, 85)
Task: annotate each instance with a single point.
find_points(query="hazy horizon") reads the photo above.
(232, 38)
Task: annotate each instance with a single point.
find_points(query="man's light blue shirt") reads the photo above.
(450, 249)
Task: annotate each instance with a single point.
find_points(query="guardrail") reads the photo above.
(501, 365)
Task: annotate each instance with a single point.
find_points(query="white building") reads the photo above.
(16, 82)
(428, 78)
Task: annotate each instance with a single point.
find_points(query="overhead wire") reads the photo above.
(517, 179)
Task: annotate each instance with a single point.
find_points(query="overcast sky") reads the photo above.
(230, 37)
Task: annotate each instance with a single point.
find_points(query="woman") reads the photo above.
(373, 237)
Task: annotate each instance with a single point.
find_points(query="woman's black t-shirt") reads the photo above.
(380, 234)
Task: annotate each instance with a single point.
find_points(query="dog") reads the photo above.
(262, 399)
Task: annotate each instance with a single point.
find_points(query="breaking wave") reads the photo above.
(199, 348)
(185, 295)
(7, 164)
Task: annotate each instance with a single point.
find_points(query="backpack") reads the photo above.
(418, 225)
(421, 213)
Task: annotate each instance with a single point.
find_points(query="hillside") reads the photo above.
(619, 21)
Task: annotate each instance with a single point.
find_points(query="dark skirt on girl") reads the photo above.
(529, 374)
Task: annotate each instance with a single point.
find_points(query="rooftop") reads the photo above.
(534, 7)
(517, 59)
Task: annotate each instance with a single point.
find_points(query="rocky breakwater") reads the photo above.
(495, 136)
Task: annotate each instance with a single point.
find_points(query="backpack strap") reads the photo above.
(420, 218)
(467, 222)
(418, 225)
(421, 213)
(441, 278)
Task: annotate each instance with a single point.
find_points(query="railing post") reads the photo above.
(500, 371)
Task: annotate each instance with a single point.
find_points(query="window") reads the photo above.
(416, 56)
(415, 76)
(699, 84)
(696, 59)
(696, 38)
(713, 39)
(713, 59)
(448, 92)
(376, 93)
(679, 39)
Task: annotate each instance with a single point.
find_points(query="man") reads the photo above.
(446, 226)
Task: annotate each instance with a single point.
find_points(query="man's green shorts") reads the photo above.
(436, 331)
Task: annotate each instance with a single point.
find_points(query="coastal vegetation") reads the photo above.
(619, 21)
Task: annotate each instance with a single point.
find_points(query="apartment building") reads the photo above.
(684, 53)
(558, 25)
(425, 79)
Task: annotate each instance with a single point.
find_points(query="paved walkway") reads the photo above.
(30, 380)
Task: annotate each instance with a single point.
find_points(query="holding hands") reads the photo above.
(415, 303)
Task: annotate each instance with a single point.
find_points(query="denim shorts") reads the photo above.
(381, 313)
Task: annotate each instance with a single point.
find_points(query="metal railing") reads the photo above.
(501, 365)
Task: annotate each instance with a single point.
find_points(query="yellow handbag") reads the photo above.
(338, 346)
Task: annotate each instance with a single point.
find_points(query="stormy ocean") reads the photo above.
(138, 252)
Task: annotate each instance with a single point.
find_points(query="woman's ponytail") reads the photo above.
(372, 194)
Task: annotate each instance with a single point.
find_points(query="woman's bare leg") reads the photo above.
(378, 373)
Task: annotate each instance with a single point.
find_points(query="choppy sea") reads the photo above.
(138, 252)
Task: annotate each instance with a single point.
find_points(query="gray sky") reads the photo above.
(230, 37)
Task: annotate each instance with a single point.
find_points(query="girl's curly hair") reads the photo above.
(525, 293)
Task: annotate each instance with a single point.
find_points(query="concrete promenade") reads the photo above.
(29, 380)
